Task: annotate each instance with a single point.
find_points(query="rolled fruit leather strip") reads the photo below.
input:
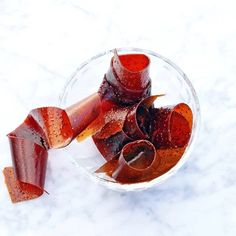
(171, 132)
(124, 127)
(126, 83)
(136, 162)
(171, 126)
(110, 139)
(137, 123)
(127, 80)
(114, 135)
(44, 128)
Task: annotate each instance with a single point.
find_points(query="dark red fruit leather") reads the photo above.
(44, 128)
(127, 80)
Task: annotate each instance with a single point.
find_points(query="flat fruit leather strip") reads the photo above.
(107, 110)
(127, 80)
(44, 128)
(168, 159)
(109, 166)
(171, 126)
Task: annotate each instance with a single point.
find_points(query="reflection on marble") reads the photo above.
(41, 44)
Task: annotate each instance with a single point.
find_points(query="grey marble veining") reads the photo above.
(42, 43)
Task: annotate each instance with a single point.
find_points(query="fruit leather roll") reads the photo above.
(43, 129)
(171, 126)
(127, 81)
(125, 125)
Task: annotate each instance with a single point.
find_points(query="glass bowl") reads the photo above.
(166, 78)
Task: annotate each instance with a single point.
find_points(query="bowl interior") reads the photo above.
(166, 78)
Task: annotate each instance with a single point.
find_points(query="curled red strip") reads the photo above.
(83, 113)
(137, 124)
(171, 126)
(127, 80)
(111, 138)
(123, 126)
(136, 162)
(44, 128)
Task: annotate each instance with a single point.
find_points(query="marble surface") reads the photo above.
(42, 43)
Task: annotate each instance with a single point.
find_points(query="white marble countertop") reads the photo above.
(42, 43)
